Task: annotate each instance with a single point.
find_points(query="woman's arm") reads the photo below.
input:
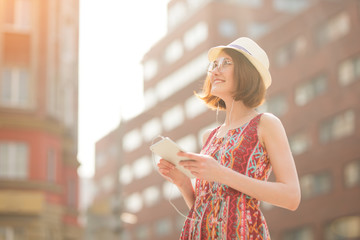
(174, 175)
(284, 192)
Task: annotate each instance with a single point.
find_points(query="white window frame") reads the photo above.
(15, 88)
(21, 18)
(14, 160)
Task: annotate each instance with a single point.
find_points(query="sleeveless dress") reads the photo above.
(221, 212)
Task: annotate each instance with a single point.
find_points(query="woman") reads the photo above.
(237, 157)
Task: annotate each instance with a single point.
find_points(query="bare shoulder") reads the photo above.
(269, 126)
(269, 120)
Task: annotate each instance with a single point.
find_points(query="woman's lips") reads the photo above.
(216, 81)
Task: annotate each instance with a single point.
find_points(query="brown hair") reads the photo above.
(249, 87)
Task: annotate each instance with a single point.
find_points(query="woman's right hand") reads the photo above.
(183, 182)
(171, 173)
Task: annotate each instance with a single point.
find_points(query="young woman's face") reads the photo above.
(221, 73)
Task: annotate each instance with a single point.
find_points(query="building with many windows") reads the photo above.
(315, 65)
(38, 120)
(104, 215)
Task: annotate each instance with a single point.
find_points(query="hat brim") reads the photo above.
(263, 71)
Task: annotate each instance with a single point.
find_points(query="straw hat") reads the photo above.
(252, 51)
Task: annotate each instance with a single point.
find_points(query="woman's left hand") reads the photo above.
(201, 166)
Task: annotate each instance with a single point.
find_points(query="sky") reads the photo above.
(114, 35)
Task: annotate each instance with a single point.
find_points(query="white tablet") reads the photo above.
(168, 149)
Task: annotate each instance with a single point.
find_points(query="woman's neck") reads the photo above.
(237, 113)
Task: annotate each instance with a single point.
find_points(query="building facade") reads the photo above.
(315, 65)
(104, 215)
(38, 120)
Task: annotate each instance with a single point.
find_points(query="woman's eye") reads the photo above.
(227, 62)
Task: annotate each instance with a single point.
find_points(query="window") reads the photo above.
(299, 143)
(227, 28)
(342, 125)
(257, 30)
(177, 13)
(352, 174)
(188, 143)
(173, 117)
(150, 98)
(18, 16)
(100, 159)
(338, 26)
(276, 105)
(125, 174)
(334, 29)
(150, 69)
(309, 90)
(14, 160)
(170, 191)
(343, 228)
(315, 184)
(132, 140)
(290, 50)
(163, 227)
(134, 203)
(151, 129)
(194, 107)
(174, 51)
(190, 72)
(196, 35)
(151, 195)
(291, 6)
(51, 165)
(11, 233)
(303, 233)
(142, 167)
(107, 183)
(349, 71)
(14, 88)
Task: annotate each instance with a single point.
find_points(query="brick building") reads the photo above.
(314, 61)
(103, 216)
(38, 120)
